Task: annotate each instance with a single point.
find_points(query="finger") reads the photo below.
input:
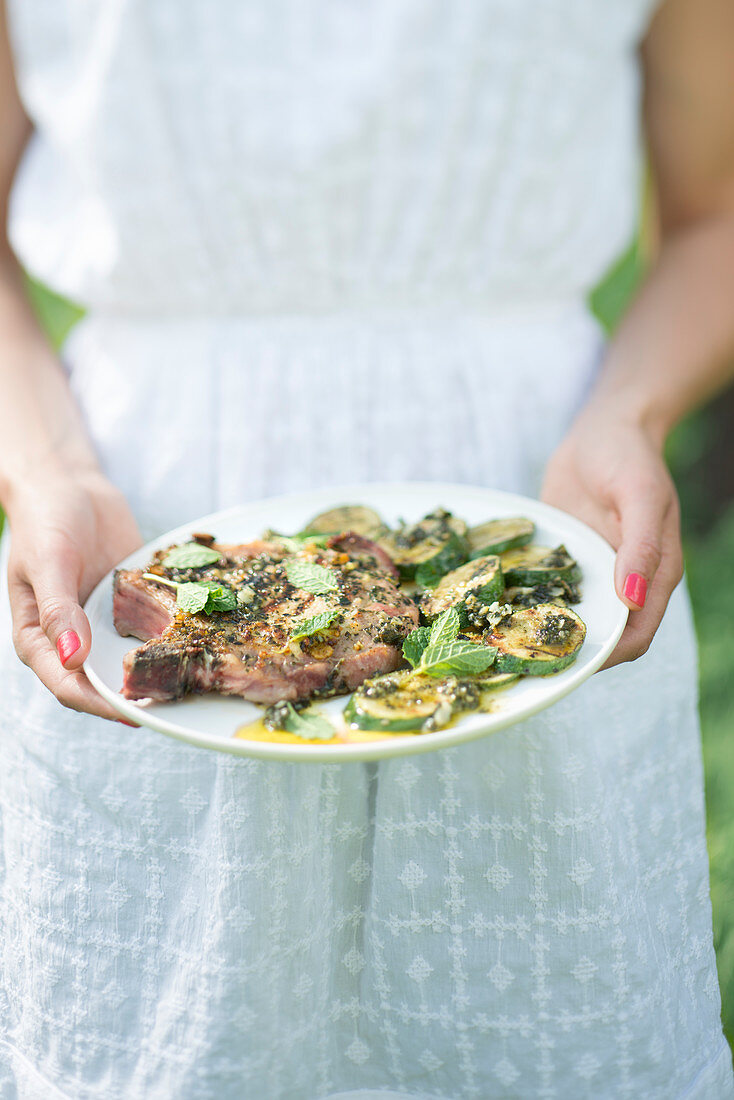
(643, 624)
(71, 688)
(642, 512)
(24, 612)
(55, 583)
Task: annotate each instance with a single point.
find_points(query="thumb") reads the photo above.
(640, 551)
(60, 617)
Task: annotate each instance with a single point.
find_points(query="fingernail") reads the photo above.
(134, 725)
(67, 645)
(635, 589)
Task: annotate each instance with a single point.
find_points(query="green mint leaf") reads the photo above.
(307, 627)
(221, 598)
(303, 538)
(296, 542)
(415, 643)
(445, 628)
(309, 726)
(207, 596)
(190, 555)
(310, 577)
(316, 537)
(192, 597)
(456, 658)
(445, 654)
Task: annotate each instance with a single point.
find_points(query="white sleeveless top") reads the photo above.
(329, 242)
(305, 156)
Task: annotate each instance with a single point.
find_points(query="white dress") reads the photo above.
(324, 243)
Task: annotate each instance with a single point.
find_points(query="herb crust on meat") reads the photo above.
(250, 650)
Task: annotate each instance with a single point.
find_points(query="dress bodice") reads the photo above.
(302, 156)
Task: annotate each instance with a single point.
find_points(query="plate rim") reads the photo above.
(355, 751)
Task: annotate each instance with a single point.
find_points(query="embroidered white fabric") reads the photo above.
(327, 243)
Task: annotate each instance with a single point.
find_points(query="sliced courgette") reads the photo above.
(399, 701)
(491, 681)
(499, 535)
(528, 566)
(470, 589)
(562, 594)
(347, 517)
(537, 641)
(429, 549)
(403, 701)
(475, 692)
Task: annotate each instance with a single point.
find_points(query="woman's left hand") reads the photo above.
(609, 471)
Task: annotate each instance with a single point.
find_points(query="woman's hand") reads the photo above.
(66, 533)
(609, 471)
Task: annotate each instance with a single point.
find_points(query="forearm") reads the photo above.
(41, 429)
(675, 347)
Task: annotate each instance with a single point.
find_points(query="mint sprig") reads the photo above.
(311, 727)
(190, 555)
(311, 577)
(445, 628)
(457, 658)
(415, 643)
(221, 598)
(193, 597)
(299, 540)
(439, 652)
(308, 627)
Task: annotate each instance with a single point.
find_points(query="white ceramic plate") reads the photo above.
(211, 721)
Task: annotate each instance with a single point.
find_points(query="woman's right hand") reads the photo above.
(66, 533)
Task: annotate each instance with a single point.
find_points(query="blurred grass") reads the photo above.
(56, 314)
(708, 531)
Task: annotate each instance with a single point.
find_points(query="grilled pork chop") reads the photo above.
(250, 651)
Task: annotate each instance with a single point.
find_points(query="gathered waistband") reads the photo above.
(509, 311)
(514, 330)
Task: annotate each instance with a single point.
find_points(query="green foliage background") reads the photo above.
(695, 454)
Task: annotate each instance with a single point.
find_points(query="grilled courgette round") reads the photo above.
(529, 566)
(427, 550)
(491, 681)
(348, 517)
(399, 701)
(537, 641)
(404, 701)
(499, 535)
(561, 594)
(469, 589)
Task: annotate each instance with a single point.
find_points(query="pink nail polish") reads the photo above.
(67, 645)
(124, 722)
(635, 589)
